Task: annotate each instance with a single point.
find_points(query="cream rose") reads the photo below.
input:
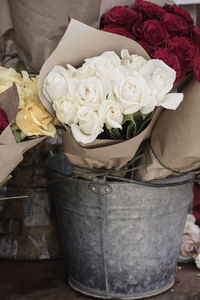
(132, 92)
(107, 66)
(55, 84)
(66, 110)
(87, 128)
(110, 113)
(90, 92)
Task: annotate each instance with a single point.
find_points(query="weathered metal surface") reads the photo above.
(121, 240)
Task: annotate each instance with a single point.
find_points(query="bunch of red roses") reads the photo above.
(167, 33)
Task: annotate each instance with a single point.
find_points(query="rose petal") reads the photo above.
(81, 137)
(172, 100)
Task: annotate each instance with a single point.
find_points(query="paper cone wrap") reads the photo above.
(11, 152)
(175, 139)
(79, 42)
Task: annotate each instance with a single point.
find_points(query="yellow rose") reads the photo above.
(7, 78)
(33, 119)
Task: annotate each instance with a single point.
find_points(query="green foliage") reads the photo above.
(132, 125)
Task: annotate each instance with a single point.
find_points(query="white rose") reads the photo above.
(107, 66)
(132, 62)
(55, 84)
(66, 110)
(197, 260)
(88, 127)
(83, 72)
(90, 91)
(132, 92)
(110, 113)
(160, 78)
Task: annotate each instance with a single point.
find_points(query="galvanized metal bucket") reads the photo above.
(121, 240)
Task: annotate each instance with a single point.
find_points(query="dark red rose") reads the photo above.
(175, 24)
(177, 10)
(3, 120)
(118, 30)
(185, 50)
(154, 33)
(148, 48)
(137, 31)
(149, 10)
(122, 16)
(171, 60)
(197, 68)
(196, 35)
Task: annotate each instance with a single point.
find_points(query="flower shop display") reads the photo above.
(190, 246)
(166, 31)
(23, 119)
(94, 89)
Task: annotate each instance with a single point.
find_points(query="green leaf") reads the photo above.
(115, 133)
(145, 122)
(131, 130)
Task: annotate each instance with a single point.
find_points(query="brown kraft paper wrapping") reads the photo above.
(175, 139)
(11, 152)
(74, 47)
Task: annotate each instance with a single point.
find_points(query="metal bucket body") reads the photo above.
(121, 240)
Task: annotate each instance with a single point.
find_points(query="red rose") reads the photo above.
(149, 49)
(197, 68)
(3, 120)
(175, 9)
(118, 30)
(171, 60)
(175, 24)
(154, 33)
(149, 10)
(196, 35)
(122, 16)
(185, 50)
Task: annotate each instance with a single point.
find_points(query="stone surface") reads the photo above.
(46, 280)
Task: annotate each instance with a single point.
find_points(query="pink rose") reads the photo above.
(187, 247)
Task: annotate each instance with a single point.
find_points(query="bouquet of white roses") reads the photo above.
(108, 102)
(110, 97)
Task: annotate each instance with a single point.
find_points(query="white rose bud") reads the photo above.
(83, 72)
(110, 113)
(66, 110)
(88, 128)
(107, 66)
(132, 92)
(55, 85)
(132, 62)
(88, 91)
